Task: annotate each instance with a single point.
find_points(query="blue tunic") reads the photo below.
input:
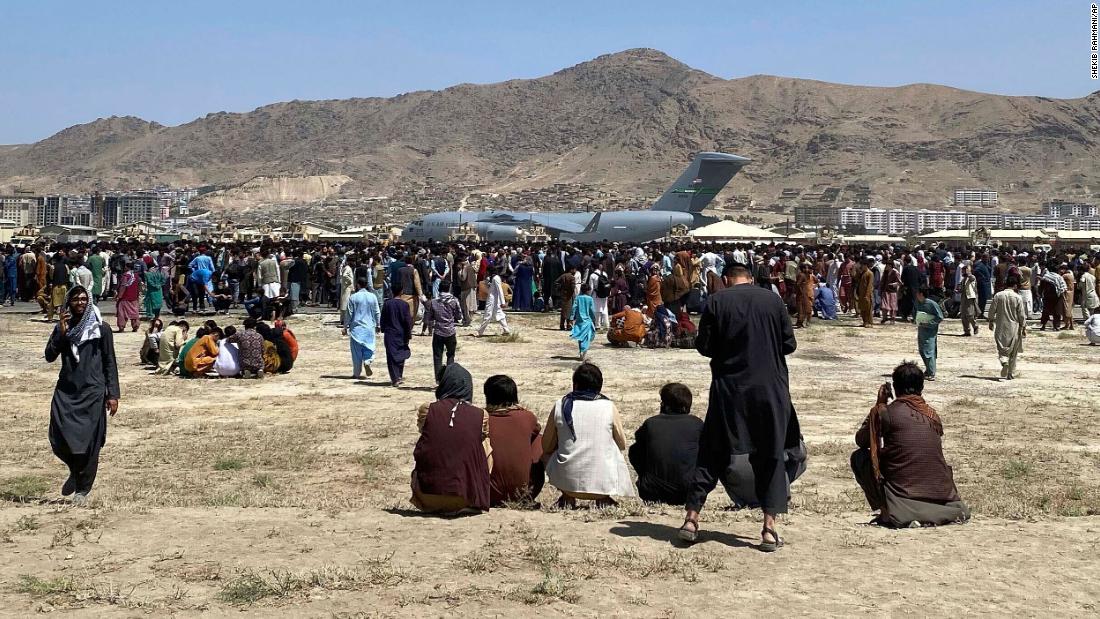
(363, 318)
(584, 326)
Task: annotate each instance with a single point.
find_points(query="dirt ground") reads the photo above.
(290, 495)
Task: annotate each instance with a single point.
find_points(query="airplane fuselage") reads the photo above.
(632, 226)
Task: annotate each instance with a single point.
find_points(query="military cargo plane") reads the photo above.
(681, 205)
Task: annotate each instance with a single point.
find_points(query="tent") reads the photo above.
(732, 231)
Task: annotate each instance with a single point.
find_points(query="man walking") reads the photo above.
(441, 315)
(1008, 322)
(968, 292)
(746, 332)
(362, 321)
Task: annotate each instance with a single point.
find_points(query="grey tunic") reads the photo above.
(78, 412)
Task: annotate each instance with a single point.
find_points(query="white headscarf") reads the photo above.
(88, 327)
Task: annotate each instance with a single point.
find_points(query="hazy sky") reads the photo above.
(69, 62)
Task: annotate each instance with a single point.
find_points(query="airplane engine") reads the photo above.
(499, 232)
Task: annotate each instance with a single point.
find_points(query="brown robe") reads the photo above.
(1067, 299)
(516, 440)
(917, 484)
(864, 295)
(450, 459)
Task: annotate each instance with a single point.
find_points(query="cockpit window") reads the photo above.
(418, 222)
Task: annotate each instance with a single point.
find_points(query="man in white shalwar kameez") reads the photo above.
(494, 306)
(1008, 322)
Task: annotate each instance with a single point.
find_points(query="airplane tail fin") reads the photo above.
(593, 225)
(700, 182)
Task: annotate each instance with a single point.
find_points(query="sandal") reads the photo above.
(766, 546)
(689, 535)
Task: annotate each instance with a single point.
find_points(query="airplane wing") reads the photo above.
(561, 223)
(554, 222)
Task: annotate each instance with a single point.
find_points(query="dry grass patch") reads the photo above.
(251, 586)
(1028, 483)
(23, 488)
(515, 337)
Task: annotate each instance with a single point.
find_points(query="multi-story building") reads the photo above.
(139, 206)
(76, 211)
(21, 209)
(816, 216)
(128, 208)
(974, 197)
(1062, 208)
(49, 211)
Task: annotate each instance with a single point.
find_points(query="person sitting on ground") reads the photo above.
(273, 356)
(222, 297)
(291, 340)
(251, 353)
(170, 342)
(453, 456)
(739, 481)
(516, 442)
(1092, 327)
(185, 349)
(665, 451)
(583, 444)
(665, 448)
(900, 464)
(150, 347)
(277, 336)
(628, 326)
(254, 305)
(825, 302)
(201, 356)
(683, 332)
(228, 364)
(660, 331)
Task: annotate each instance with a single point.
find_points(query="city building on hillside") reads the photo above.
(816, 215)
(974, 197)
(49, 211)
(119, 209)
(1062, 208)
(21, 209)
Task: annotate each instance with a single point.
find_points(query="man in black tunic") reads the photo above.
(746, 332)
(87, 389)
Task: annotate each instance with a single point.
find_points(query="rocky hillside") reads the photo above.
(627, 121)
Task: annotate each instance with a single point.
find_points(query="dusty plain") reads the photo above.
(290, 496)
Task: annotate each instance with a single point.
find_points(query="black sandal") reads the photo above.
(688, 535)
(766, 546)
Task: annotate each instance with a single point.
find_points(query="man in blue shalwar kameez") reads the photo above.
(363, 317)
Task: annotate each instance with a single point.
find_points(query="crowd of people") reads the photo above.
(748, 299)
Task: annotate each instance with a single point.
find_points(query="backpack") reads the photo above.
(603, 286)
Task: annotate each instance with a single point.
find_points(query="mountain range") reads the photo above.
(625, 122)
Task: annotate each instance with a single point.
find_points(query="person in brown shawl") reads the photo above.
(452, 455)
(900, 464)
(865, 286)
(516, 441)
(678, 285)
(804, 290)
(567, 289)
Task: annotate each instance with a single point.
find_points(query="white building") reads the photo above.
(974, 197)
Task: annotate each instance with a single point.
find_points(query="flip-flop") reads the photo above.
(688, 535)
(770, 546)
